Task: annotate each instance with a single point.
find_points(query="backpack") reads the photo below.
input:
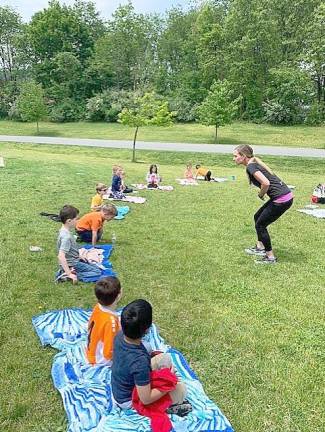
(318, 195)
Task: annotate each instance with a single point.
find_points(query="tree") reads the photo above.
(30, 102)
(148, 110)
(218, 108)
(289, 95)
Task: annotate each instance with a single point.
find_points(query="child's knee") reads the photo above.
(179, 394)
(161, 361)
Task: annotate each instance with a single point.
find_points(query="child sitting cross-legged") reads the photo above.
(132, 376)
(71, 267)
(97, 200)
(104, 323)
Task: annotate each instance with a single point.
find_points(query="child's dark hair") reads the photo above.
(152, 167)
(68, 212)
(136, 318)
(197, 166)
(107, 289)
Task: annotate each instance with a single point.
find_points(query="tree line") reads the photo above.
(259, 60)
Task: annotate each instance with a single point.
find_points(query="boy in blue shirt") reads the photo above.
(132, 363)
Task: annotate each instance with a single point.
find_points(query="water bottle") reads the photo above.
(113, 239)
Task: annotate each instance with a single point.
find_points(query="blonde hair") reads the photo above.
(109, 209)
(246, 150)
(100, 186)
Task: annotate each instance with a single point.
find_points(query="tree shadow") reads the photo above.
(47, 133)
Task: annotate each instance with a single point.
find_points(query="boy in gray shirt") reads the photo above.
(71, 266)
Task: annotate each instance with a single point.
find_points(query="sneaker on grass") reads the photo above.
(254, 250)
(266, 260)
(181, 409)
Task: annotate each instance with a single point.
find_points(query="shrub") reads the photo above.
(67, 110)
(185, 110)
(315, 115)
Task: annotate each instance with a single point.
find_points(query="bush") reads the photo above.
(95, 109)
(8, 94)
(276, 113)
(14, 113)
(315, 115)
(289, 95)
(67, 110)
(185, 110)
(108, 104)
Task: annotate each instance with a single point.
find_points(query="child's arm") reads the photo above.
(63, 262)
(94, 237)
(148, 395)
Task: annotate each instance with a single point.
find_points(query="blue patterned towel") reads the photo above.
(108, 271)
(86, 391)
(121, 212)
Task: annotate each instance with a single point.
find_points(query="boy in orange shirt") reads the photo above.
(90, 226)
(104, 323)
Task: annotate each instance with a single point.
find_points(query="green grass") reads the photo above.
(237, 133)
(254, 335)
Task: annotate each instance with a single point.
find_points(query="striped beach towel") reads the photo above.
(86, 390)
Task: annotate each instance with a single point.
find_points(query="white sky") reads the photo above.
(27, 8)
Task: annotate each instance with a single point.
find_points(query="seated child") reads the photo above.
(104, 323)
(117, 188)
(152, 177)
(131, 361)
(125, 188)
(188, 173)
(202, 171)
(90, 226)
(97, 200)
(71, 267)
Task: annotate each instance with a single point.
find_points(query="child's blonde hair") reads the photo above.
(100, 186)
(109, 209)
(115, 168)
(246, 150)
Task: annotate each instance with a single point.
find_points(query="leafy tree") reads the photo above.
(149, 110)
(289, 95)
(10, 28)
(219, 107)
(315, 52)
(30, 102)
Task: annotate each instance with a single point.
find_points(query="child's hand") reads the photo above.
(73, 277)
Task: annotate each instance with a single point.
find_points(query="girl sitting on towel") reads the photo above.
(188, 173)
(153, 178)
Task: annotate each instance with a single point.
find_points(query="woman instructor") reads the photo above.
(281, 199)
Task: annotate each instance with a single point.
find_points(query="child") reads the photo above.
(97, 200)
(125, 188)
(152, 177)
(204, 172)
(131, 361)
(104, 323)
(188, 173)
(117, 189)
(90, 227)
(71, 266)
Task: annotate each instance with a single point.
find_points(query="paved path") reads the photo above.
(175, 147)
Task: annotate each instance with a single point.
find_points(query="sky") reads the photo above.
(26, 8)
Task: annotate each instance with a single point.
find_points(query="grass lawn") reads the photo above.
(237, 133)
(254, 335)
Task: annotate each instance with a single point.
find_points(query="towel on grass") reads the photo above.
(316, 212)
(142, 186)
(105, 265)
(86, 391)
(131, 199)
(187, 182)
(121, 212)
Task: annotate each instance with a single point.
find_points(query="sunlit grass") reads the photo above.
(254, 335)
